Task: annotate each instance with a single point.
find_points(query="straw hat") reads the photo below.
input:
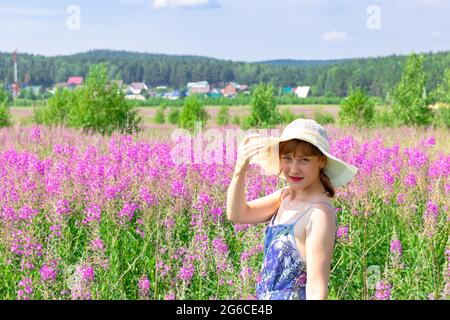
(339, 172)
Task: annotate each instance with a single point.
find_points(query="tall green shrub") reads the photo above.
(409, 101)
(263, 111)
(357, 109)
(223, 117)
(192, 111)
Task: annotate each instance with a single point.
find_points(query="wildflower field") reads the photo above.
(89, 217)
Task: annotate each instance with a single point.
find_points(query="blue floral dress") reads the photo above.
(283, 273)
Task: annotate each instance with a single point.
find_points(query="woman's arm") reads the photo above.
(320, 234)
(258, 210)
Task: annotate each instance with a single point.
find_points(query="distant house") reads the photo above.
(286, 90)
(302, 91)
(230, 90)
(201, 87)
(136, 88)
(214, 93)
(233, 88)
(243, 87)
(174, 95)
(74, 82)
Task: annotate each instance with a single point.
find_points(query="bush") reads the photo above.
(357, 110)
(192, 112)
(236, 120)
(246, 123)
(383, 118)
(5, 115)
(99, 106)
(323, 118)
(263, 111)
(174, 115)
(223, 117)
(287, 116)
(442, 115)
(57, 109)
(159, 117)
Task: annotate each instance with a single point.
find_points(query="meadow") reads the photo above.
(84, 216)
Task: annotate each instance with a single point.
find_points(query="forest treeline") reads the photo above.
(326, 78)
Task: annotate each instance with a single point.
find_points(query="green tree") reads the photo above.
(442, 92)
(191, 112)
(409, 96)
(223, 117)
(174, 115)
(101, 106)
(4, 95)
(5, 115)
(263, 111)
(357, 109)
(57, 109)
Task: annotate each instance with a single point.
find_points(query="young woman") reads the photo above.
(300, 237)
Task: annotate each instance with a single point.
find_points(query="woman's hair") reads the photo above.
(307, 149)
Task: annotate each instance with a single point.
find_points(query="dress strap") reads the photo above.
(309, 210)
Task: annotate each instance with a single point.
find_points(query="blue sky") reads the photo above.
(240, 30)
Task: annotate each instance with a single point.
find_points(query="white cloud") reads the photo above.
(335, 36)
(26, 11)
(158, 4)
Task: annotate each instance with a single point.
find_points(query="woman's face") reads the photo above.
(301, 170)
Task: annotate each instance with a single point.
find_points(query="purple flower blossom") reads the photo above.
(35, 134)
(62, 207)
(169, 223)
(93, 213)
(128, 211)
(86, 272)
(170, 296)
(396, 247)
(48, 273)
(400, 199)
(410, 180)
(148, 198)
(220, 246)
(342, 232)
(388, 179)
(383, 290)
(144, 287)
(186, 272)
(97, 244)
(26, 289)
(432, 210)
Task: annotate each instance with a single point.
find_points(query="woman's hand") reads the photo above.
(248, 147)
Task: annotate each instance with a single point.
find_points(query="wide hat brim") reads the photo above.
(339, 172)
